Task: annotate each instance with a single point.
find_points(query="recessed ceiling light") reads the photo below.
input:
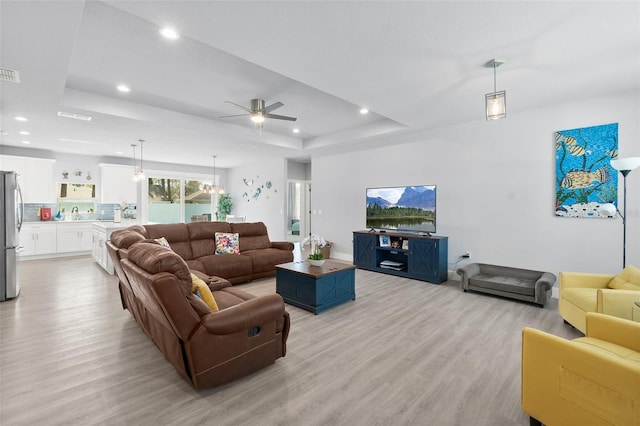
(169, 33)
(24, 132)
(124, 88)
(26, 142)
(296, 130)
(21, 118)
(119, 152)
(3, 132)
(364, 111)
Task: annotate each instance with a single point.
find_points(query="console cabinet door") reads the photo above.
(423, 258)
(364, 250)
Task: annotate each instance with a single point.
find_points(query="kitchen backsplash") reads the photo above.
(85, 211)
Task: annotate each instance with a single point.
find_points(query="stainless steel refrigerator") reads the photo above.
(11, 214)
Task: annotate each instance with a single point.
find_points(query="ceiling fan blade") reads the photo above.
(273, 106)
(280, 117)
(236, 115)
(244, 108)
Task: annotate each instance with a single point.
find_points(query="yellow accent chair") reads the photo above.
(607, 294)
(591, 380)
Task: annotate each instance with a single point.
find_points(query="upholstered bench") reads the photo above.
(506, 281)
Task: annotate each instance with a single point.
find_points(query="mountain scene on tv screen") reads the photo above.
(411, 207)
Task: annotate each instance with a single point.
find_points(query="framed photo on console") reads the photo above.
(405, 244)
(385, 241)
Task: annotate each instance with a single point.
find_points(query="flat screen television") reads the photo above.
(402, 208)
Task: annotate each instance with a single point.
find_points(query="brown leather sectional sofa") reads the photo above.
(195, 243)
(207, 348)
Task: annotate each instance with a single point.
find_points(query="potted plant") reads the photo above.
(316, 258)
(225, 204)
(320, 248)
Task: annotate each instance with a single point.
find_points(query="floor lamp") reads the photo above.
(624, 166)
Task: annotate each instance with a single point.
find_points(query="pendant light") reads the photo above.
(138, 173)
(495, 102)
(135, 165)
(141, 172)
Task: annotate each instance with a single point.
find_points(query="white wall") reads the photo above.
(298, 171)
(269, 206)
(496, 189)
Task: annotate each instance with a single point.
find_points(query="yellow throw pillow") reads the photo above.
(630, 286)
(631, 274)
(616, 282)
(628, 279)
(202, 290)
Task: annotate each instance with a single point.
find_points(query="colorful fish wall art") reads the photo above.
(585, 179)
(260, 189)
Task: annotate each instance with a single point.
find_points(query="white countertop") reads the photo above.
(107, 224)
(117, 225)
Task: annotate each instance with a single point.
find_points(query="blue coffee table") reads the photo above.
(316, 288)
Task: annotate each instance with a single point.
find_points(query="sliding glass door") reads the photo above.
(172, 200)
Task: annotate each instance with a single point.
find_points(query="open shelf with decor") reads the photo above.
(407, 255)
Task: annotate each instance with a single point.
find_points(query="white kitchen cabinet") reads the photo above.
(35, 177)
(100, 254)
(101, 234)
(39, 187)
(118, 184)
(75, 237)
(38, 239)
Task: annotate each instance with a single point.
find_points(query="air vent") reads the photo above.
(74, 116)
(7, 74)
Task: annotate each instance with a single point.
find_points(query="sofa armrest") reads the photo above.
(245, 315)
(565, 382)
(546, 281)
(467, 272)
(616, 302)
(282, 245)
(214, 283)
(614, 329)
(584, 280)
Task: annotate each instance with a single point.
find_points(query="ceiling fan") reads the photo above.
(259, 112)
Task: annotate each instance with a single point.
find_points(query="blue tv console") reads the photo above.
(419, 257)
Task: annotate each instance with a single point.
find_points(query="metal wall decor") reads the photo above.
(257, 191)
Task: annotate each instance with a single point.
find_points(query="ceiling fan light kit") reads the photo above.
(259, 112)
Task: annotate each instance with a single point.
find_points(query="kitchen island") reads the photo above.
(101, 234)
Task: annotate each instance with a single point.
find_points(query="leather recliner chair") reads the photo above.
(601, 293)
(591, 380)
(207, 348)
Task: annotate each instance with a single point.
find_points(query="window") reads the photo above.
(172, 200)
(197, 200)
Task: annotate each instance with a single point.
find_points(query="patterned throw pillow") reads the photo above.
(163, 242)
(227, 243)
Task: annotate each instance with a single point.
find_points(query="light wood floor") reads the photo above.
(403, 353)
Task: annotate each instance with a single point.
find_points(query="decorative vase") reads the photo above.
(316, 262)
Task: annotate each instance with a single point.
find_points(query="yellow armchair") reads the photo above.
(592, 380)
(607, 294)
